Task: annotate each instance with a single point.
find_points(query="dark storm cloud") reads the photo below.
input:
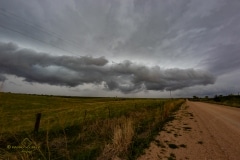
(72, 71)
(44, 68)
(174, 34)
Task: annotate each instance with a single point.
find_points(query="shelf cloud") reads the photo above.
(125, 76)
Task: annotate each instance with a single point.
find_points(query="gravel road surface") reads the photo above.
(199, 131)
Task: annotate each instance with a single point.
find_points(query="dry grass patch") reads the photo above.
(122, 138)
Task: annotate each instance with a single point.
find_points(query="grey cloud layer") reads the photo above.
(125, 76)
(173, 30)
(174, 34)
(223, 59)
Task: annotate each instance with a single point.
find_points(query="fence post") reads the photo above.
(85, 115)
(37, 123)
(109, 112)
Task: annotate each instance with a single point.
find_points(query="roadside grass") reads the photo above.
(81, 128)
(231, 103)
(230, 100)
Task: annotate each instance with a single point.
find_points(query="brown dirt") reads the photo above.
(199, 131)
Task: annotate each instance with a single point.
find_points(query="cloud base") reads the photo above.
(125, 76)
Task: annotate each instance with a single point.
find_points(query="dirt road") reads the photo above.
(199, 131)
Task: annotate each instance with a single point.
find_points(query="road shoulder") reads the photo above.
(181, 138)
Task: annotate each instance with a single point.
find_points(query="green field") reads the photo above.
(80, 127)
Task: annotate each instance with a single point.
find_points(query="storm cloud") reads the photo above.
(131, 46)
(69, 71)
(2, 78)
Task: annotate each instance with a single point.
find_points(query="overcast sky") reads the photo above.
(130, 48)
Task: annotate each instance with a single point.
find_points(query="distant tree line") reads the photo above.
(216, 98)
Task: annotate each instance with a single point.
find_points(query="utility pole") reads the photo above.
(1, 86)
(170, 93)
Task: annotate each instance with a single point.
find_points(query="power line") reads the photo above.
(39, 28)
(13, 30)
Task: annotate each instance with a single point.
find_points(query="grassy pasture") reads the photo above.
(81, 128)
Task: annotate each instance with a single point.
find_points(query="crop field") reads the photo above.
(80, 127)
